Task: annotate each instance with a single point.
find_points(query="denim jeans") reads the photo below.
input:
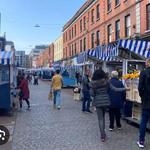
(144, 120)
(57, 99)
(86, 101)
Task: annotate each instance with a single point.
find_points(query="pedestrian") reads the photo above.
(57, 83)
(144, 92)
(117, 100)
(99, 92)
(77, 77)
(86, 99)
(24, 91)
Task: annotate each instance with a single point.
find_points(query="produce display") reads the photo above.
(132, 81)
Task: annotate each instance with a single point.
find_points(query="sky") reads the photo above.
(19, 17)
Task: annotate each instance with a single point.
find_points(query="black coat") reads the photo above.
(116, 98)
(99, 92)
(144, 88)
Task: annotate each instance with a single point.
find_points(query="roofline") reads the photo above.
(87, 4)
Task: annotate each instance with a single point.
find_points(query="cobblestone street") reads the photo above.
(44, 128)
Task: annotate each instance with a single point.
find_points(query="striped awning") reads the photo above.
(6, 58)
(81, 58)
(139, 47)
(104, 52)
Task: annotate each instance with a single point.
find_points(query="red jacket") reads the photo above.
(25, 89)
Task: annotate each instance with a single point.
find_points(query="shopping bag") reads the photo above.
(50, 95)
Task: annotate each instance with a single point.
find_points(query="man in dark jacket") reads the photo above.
(144, 91)
(86, 92)
(117, 100)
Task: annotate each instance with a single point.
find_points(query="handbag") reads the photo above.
(50, 95)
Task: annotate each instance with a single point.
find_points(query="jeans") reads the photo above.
(145, 117)
(86, 101)
(57, 99)
(101, 120)
(114, 113)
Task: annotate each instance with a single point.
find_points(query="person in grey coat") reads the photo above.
(99, 92)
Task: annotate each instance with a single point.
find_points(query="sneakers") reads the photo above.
(103, 139)
(58, 107)
(111, 129)
(119, 128)
(140, 144)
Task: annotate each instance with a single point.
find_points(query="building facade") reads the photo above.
(35, 53)
(100, 22)
(58, 49)
(46, 57)
(20, 58)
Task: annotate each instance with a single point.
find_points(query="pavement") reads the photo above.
(44, 128)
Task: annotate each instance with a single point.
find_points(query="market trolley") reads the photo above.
(127, 55)
(7, 79)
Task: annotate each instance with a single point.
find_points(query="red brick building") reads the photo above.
(100, 22)
(46, 58)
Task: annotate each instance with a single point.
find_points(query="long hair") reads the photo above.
(99, 74)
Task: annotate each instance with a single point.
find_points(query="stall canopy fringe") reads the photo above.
(6, 57)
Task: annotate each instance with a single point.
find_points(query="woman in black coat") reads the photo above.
(99, 91)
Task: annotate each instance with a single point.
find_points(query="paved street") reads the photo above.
(44, 128)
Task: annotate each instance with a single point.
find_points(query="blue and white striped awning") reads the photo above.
(139, 47)
(81, 58)
(6, 58)
(105, 52)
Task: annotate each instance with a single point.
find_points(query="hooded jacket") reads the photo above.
(99, 92)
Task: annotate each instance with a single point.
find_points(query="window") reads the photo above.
(98, 11)
(80, 45)
(81, 25)
(66, 51)
(109, 33)
(98, 38)
(117, 29)
(148, 17)
(92, 16)
(92, 40)
(127, 26)
(84, 44)
(72, 50)
(84, 22)
(117, 2)
(75, 48)
(69, 34)
(66, 37)
(75, 30)
(108, 5)
(72, 32)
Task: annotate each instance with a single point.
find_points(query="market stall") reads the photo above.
(129, 56)
(7, 78)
